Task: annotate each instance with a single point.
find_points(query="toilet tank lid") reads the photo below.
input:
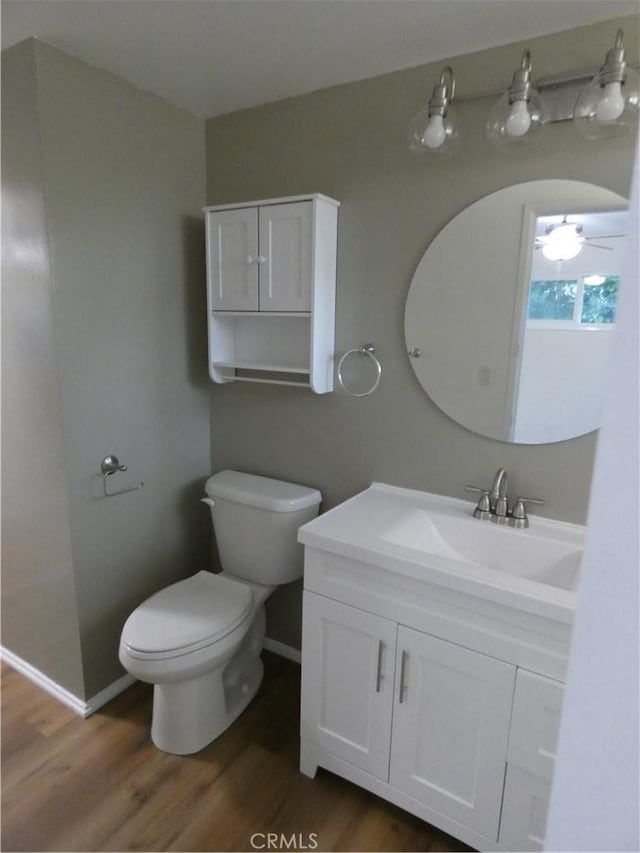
(262, 492)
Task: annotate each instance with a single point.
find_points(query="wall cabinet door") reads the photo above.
(232, 259)
(450, 729)
(285, 259)
(347, 682)
(261, 259)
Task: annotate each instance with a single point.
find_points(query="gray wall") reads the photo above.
(348, 142)
(39, 617)
(123, 178)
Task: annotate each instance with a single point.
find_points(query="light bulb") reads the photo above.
(435, 133)
(519, 120)
(611, 104)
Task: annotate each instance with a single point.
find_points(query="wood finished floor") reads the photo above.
(99, 784)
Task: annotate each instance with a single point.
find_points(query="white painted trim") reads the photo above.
(282, 649)
(43, 681)
(96, 702)
(283, 200)
(78, 706)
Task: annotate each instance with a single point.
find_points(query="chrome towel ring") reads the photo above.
(370, 351)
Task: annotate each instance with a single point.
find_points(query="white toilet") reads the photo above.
(199, 640)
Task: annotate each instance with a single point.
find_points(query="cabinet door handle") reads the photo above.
(379, 675)
(403, 672)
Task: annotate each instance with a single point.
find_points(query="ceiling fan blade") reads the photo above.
(606, 237)
(596, 246)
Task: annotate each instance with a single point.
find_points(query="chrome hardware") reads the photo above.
(109, 466)
(208, 501)
(501, 512)
(403, 671)
(379, 675)
(499, 488)
(415, 352)
(261, 259)
(483, 509)
(519, 518)
(370, 351)
(493, 504)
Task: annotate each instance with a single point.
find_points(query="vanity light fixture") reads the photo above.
(516, 118)
(562, 242)
(608, 105)
(432, 130)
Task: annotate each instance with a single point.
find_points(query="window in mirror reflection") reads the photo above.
(564, 303)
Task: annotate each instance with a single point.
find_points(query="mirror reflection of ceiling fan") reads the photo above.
(564, 241)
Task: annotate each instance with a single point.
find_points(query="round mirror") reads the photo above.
(509, 316)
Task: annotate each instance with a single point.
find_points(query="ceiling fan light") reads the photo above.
(562, 243)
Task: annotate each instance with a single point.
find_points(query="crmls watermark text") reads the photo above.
(282, 841)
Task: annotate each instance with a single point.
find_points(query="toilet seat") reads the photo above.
(187, 616)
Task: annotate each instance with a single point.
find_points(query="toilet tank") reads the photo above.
(256, 521)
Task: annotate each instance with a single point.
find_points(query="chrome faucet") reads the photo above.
(493, 503)
(499, 487)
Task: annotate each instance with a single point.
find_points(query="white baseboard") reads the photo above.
(79, 706)
(282, 649)
(109, 693)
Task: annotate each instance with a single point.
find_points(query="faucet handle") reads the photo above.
(483, 509)
(501, 511)
(519, 516)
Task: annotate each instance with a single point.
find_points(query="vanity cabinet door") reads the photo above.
(232, 259)
(524, 810)
(347, 682)
(285, 257)
(450, 729)
(535, 724)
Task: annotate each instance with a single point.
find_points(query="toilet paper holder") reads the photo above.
(109, 466)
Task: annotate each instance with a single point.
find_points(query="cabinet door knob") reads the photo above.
(250, 259)
(261, 259)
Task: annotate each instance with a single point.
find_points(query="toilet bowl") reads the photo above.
(181, 639)
(199, 640)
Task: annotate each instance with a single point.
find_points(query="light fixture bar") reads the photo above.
(545, 83)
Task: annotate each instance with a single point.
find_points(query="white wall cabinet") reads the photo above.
(271, 280)
(460, 738)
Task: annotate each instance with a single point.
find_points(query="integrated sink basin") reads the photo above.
(437, 539)
(484, 544)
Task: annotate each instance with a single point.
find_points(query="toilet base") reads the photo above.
(188, 715)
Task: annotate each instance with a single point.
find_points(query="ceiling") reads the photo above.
(216, 56)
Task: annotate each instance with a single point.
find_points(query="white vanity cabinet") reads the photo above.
(271, 279)
(450, 729)
(530, 761)
(347, 693)
(406, 693)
